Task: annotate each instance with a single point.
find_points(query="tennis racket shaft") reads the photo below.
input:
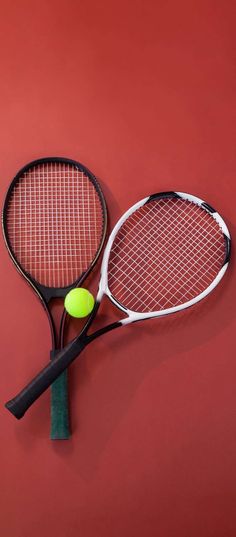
(45, 378)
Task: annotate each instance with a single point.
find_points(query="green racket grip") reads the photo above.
(60, 421)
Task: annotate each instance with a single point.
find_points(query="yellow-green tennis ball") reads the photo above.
(79, 302)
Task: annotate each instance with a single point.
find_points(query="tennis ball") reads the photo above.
(79, 302)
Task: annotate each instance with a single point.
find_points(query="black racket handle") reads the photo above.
(19, 404)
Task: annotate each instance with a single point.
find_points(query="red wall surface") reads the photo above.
(143, 93)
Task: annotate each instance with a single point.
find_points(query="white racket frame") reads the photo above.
(133, 316)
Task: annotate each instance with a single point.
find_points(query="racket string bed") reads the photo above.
(54, 223)
(164, 255)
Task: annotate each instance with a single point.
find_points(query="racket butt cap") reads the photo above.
(10, 405)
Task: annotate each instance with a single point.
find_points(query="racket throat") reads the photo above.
(53, 292)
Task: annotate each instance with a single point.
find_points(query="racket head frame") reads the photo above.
(133, 316)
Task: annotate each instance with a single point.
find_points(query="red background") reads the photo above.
(143, 93)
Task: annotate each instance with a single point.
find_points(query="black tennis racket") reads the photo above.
(165, 254)
(54, 225)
